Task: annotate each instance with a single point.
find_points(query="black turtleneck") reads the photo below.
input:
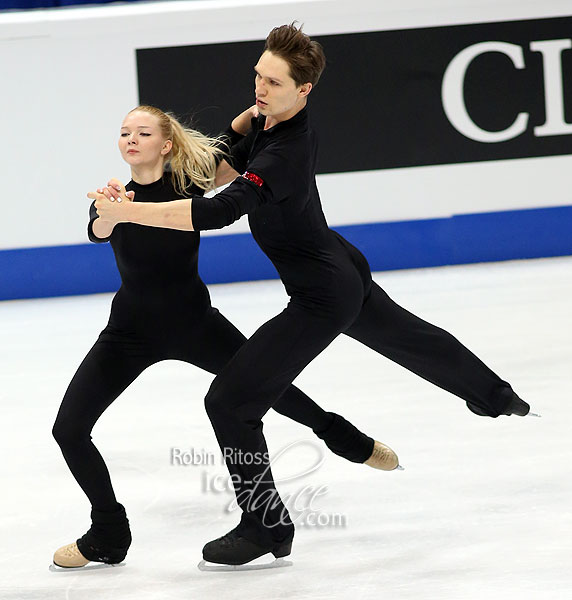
(158, 267)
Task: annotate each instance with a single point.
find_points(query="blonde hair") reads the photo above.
(193, 156)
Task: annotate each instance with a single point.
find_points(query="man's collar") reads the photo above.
(298, 119)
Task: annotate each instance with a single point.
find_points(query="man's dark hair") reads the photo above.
(305, 57)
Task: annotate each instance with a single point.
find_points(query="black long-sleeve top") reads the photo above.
(283, 206)
(158, 267)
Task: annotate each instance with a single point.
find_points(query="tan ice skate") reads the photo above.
(69, 557)
(383, 457)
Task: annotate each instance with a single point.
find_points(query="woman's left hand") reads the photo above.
(109, 208)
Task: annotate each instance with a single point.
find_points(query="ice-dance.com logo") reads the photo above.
(300, 504)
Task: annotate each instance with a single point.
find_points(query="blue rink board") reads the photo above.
(484, 237)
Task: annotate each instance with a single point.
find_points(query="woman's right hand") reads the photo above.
(115, 190)
(241, 124)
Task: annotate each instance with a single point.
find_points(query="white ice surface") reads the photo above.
(482, 511)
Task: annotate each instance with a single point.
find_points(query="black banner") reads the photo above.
(402, 98)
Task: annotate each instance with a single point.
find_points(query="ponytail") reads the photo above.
(193, 157)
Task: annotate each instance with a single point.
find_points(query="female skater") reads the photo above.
(329, 283)
(162, 311)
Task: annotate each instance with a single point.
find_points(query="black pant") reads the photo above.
(119, 357)
(270, 360)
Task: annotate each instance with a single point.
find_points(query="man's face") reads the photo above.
(277, 94)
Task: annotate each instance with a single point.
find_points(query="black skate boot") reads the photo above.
(517, 406)
(234, 551)
(514, 406)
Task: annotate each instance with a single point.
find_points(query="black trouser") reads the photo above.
(270, 360)
(119, 357)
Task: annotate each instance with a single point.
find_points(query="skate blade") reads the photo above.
(399, 468)
(531, 414)
(215, 567)
(89, 567)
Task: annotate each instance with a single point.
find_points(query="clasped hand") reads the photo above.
(111, 202)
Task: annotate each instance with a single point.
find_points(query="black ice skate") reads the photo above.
(515, 406)
(519, 407)
(232, 552)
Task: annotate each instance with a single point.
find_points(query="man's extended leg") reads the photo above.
(434, 354)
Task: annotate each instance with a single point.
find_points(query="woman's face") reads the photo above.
(141, 142)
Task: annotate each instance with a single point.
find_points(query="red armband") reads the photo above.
(254, 178)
